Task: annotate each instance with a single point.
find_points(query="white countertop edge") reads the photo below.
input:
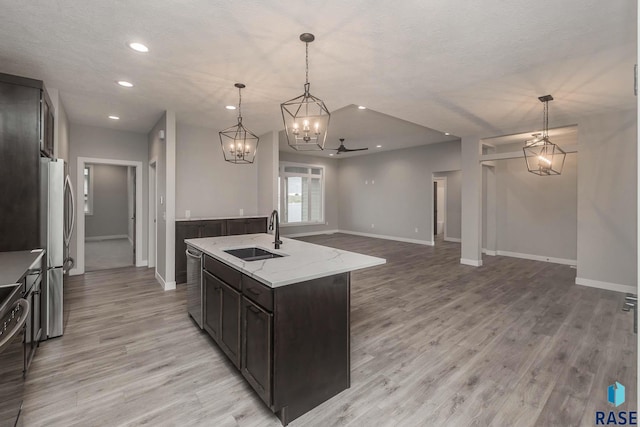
(239, 265)
(194, 218)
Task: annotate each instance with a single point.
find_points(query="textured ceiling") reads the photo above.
(462, 67)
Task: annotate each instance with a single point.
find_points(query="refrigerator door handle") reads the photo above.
(72, 220)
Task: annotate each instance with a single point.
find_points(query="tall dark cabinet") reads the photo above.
(26, 133)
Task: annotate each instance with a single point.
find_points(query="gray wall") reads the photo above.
(267, 160)
(607, 194)
(454, 203)
(131, 200)
(393, 190)
(206, 184)
(331, 191)
(91, 141)
(61, 126)
(110, 202)
(158, 153)
(537, 215)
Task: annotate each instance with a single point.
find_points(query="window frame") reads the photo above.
(88, 198)
(281, 196)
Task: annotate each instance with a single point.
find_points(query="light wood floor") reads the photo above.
(107, 254)
(513, 343)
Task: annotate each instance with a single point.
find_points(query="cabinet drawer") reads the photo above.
(257, 292)
(222, 271)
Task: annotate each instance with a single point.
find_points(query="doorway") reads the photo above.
(439, 208)
(109, 196)
(110, 189)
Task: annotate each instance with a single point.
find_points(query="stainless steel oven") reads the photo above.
(14, 312)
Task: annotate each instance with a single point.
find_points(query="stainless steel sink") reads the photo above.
(252, 254)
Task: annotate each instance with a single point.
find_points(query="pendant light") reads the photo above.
(306, 118)
(239, 145)
(544, 157)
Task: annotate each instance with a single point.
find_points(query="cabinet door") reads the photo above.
(257, 348)
(213, 228)
(230, 323)
(236, 226)
(256, 225)
(47, 127)
(20, 170)
(184, 230)
(212, 305)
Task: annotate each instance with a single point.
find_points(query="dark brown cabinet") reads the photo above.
(210, 228)
(193, 230)
(246, 226)
(256, 348)
(230, 323)
(26, 133)
(291, 343)
(212, 306)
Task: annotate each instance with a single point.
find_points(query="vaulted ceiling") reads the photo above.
(460, 67)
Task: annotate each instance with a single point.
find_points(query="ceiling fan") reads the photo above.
(343, 149)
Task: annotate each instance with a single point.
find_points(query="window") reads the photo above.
(88, 190)
(301, 193)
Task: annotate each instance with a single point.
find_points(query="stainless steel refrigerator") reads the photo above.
(56, 226)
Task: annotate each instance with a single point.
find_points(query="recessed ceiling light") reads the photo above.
(124, 83)
(378, 146)
(230, 107)
(114, 117)
(139, 47)
(362, 107)
(447, 133)
(331, 154)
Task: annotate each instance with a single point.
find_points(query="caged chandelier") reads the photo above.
(239, 145)
(544, 157)
(306, 118)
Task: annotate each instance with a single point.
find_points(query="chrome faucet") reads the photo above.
(275, 219)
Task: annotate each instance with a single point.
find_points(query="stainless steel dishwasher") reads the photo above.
(194, 285)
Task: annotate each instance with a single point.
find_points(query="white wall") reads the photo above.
(103, 143)
(206, 184)
(131, 200)
(331, 193)
(393, 190)
(110, 205)
(607, 194)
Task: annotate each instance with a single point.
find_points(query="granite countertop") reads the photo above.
(221, 217)
(14, 265)
(301, 261)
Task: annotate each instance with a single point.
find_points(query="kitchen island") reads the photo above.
(282, 318)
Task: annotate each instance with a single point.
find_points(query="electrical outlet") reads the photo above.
(187, 214)
(416, 229)
(373, 226)
(241, 212)
(366, 182)
(373, 181)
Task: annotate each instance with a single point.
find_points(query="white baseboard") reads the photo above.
(382, 236)
(489, 252)
(452, 239)
(112, 237)
(167, 286)
(538, 257)
(606, 285)
(74, 272)
(471, 262)
(311, 233)
(142, 263)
